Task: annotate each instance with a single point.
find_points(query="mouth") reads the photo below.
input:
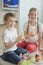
(34, 19)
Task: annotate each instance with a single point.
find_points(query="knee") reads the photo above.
(31, 47)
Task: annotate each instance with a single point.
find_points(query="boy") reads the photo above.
(10, 39)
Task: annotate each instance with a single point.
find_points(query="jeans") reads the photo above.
(13, 56)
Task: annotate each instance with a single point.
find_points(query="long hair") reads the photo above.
(29, 21)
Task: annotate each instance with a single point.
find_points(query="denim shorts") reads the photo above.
(13, 56)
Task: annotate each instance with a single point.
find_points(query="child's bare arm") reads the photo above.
(26, 35)
(39, 40)
(11, 44)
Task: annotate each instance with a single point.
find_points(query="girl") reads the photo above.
(32, 32)
(10, 39)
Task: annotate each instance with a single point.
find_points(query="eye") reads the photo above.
(35, 14)
(31, 14)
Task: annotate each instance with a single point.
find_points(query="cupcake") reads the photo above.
(31, 34)
(37, 58)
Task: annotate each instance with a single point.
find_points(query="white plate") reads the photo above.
(38, 62)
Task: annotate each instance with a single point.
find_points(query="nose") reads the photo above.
(33, 15)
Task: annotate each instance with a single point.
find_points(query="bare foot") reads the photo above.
(25, 57)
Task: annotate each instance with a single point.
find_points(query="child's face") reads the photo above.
(11, 22)
(33, 16)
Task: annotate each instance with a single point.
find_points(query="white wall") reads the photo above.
(25, 5)
(42, 11)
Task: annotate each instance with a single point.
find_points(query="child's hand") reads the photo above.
(19, 38)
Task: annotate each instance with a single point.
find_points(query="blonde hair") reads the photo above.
(7, 15)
